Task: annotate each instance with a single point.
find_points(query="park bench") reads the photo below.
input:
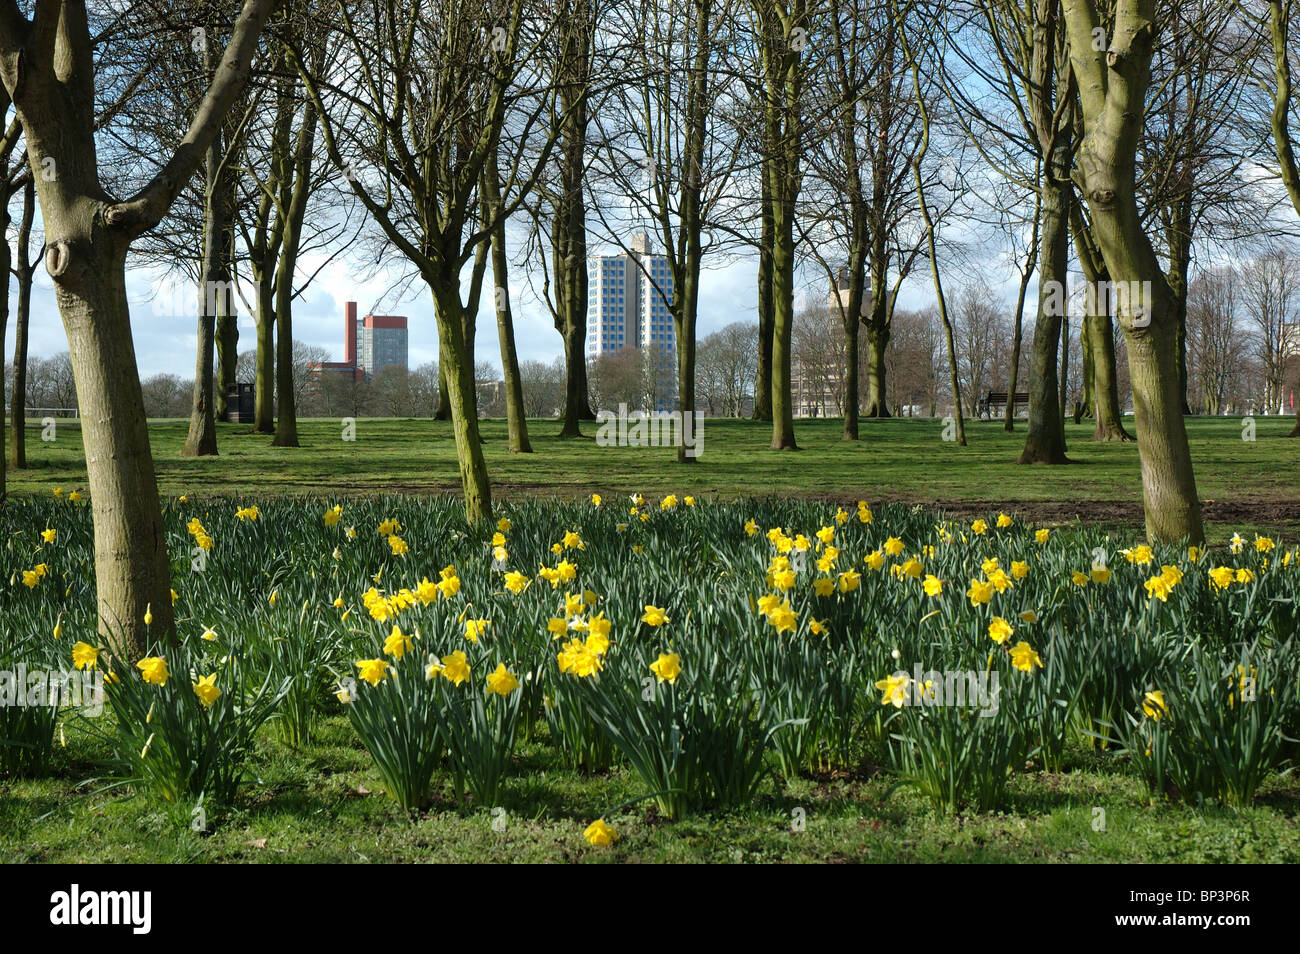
(996, 401)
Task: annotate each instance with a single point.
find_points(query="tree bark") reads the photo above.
(443, 412)
(782, 326)
(264, 388)
(1045, 440)
(1099, 341)
(1178, 238)
(264, 249)
(877, 344)
(1279, 32)
(132, 572)
(569, 231)
(4, 314)
(878, 322)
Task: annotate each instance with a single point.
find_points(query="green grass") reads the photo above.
(1245, 485)
(325, 804)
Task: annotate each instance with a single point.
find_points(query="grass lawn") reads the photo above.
(325, 804)
(1245, 485)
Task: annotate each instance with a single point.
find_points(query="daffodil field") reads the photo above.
(715, 651)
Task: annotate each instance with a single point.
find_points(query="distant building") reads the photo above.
(370, 344)
(839, 297)
(628, 308)
(381, 342)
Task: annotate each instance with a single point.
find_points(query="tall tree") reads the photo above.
(47, 65)
(783, 28)
(1112, 80)
(667, 119)
(415, 112)
(516, 424)
(570, 119)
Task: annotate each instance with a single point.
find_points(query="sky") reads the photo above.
(163, 321)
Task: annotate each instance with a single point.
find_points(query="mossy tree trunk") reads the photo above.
(1112, 89)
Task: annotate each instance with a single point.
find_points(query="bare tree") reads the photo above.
(1214, 342)
(1270, 298)
(543, 387)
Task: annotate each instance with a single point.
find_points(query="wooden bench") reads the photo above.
(998, 400)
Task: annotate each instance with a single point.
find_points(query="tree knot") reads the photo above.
(58, 254)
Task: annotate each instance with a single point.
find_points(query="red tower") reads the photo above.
(350, 334)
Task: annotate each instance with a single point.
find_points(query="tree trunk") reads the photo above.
(575, 378)
(516, 423)
(782, 326)
(1064, 401)
(1110, 419)
(202, 438)
(264, 390)
(1098, 341)
(456, 364)
(879, 320)
(227, 341)
(766, 316)
(132, 574)
(286, 425)
(1279, 32)
(1045, 440)
(286, 421)
(877, 343)
(1017, 334)
(26, 272)
(851, 399)
(684, 324)
(1178, 238)
(4, 314)
(1086, 372)
(1112, 87)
